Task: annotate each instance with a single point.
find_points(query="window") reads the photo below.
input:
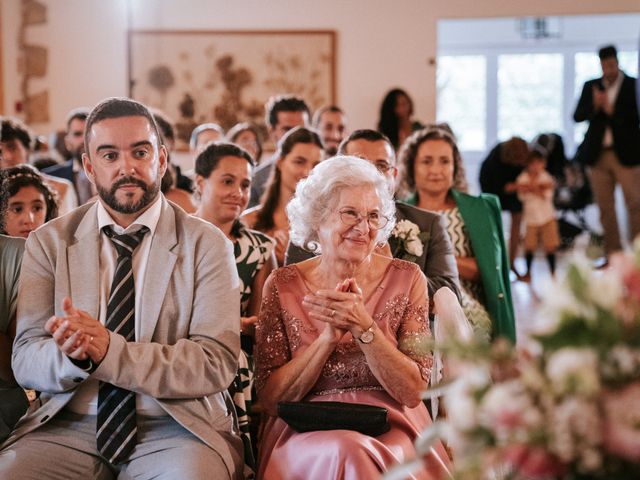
(529, 94)
(493, 96)
(462, 98)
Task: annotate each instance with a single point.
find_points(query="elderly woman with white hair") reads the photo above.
(346, 326)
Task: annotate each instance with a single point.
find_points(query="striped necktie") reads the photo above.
(116, 426)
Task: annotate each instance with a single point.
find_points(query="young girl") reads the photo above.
(535, 190)
(26, 200)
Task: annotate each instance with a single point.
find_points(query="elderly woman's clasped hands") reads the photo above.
(342, 309)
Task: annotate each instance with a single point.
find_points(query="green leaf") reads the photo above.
(577, 282)
(573, 331)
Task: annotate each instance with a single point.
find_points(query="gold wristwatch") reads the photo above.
(367, 335)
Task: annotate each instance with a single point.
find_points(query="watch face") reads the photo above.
(366, 337)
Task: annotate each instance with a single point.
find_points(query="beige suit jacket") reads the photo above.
(187, 349)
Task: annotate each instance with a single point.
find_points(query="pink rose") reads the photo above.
(510, 418)
(631, 281)
(622, 422)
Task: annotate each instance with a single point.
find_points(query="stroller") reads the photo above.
(573, 192)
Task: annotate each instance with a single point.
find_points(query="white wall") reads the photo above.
(380, 43)
(87, 53)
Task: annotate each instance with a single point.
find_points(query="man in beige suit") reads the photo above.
(128, 323)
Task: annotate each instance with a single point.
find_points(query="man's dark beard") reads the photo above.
(109, 196)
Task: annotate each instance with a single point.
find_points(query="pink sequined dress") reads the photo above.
(399, 308)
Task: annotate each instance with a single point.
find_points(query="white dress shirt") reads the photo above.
(612, 90)
(85, 401)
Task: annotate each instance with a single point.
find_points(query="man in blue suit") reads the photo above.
(72, 169)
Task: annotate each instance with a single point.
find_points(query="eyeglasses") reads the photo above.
(374, 219)
(384, 167)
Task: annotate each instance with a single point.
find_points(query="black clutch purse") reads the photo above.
(313, 416)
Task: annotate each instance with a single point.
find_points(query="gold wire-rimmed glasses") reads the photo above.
(351, 217)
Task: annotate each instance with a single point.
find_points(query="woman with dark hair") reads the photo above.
(223, 183)
(299, 150)
(432, 173)
(26, 201)
(247, 136)
(498, 175)
(13, 400)
(395, 117)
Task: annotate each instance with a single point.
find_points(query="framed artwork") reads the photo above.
(226, 77)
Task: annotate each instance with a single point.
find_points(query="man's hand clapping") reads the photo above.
(78, 335)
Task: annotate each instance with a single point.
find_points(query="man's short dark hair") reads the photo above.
(14, 129)
(317, 116)
(363, 134)
(80, 113)
(608, 51)
(283, 103)
(118, 107)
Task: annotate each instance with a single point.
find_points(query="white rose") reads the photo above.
(414, 247)
(412, 228)
(624, 359)
(462, 411)
(559, 301)
(574, 370)
(575, 425)
(399, 231)
(406, 229)
(508, 410)
(605, 289)
(460, 398)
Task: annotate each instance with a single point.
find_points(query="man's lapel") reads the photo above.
(159, 270)
(84, 265)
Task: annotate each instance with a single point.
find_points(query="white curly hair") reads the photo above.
(316, 196)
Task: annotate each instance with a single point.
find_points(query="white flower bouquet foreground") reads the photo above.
(566, 408)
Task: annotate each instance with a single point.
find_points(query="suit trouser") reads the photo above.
(604, 175)
(65, 448)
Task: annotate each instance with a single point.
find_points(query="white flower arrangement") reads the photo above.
(567, 408)
(410, 240)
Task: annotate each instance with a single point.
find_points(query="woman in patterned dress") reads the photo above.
(223, 182)
(433, 174)
(348, 325)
